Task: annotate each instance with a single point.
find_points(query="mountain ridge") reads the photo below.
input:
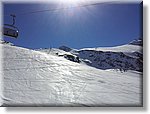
(124, 57)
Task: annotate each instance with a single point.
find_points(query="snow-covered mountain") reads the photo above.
(65, 48)
(138, 42)
(125, 57)
(45, 78)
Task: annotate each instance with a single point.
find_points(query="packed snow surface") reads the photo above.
(123, 48)
(38, 79)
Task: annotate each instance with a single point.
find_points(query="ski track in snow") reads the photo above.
(36, 78)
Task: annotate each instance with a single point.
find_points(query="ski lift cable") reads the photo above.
(59, 9)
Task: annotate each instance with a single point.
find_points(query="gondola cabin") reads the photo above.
(10, 31)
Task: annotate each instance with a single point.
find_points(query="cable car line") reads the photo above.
(59, 9)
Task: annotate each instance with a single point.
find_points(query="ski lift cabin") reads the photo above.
(11, 30)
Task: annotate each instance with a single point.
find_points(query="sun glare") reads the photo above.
(73, 10)
(70, 1)
(72, 5)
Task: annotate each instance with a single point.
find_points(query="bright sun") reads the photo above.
(74, 2)
(69, 1)
(73, 9)
(72, 5)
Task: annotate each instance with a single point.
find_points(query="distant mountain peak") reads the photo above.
(65, 48)
(137, 42)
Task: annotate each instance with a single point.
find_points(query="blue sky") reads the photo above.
(93, 26)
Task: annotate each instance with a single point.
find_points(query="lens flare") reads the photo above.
(73, 2)
(73, 11)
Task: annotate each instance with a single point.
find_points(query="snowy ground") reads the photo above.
(36, 78)
(128, 48)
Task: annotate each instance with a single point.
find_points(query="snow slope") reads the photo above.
(133, 46)
(123, 48)
(36, 78)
